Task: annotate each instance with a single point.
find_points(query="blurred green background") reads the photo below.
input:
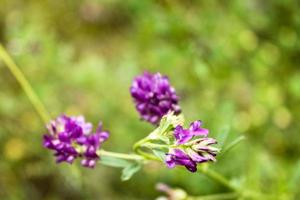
(234, 64)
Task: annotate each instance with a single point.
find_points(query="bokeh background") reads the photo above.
(235, 65)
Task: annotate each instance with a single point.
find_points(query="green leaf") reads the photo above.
(160, 154)
(130, 170)
(233, 144)
(114, 162)
(165, 139)
(223, 135)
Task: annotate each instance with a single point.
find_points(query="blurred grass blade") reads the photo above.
(18, 74)
(223, 135)
(233, 144)
(130, 170)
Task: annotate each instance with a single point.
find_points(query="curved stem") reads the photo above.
(121, 155)
(137, 148)
(17, 73)
(147, 155)
(217, 177)
(139, 143)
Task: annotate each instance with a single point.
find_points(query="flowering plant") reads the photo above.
(71, 138)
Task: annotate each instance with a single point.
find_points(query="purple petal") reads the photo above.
(169, 161)
(178, 157)
(195, 127)
(182, 136)
(88, 163)
(196, 157)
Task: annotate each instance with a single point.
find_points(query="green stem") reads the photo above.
(147, 155)
(217, 177)
(233, 144)
(121, 155)
(37, 104)
(137, 149)
(139, 143)
(155, 146)
(215, 196)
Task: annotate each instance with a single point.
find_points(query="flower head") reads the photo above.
(184, 135)
(72, 137)
(189, 151)
(179, 157)
(154, 96)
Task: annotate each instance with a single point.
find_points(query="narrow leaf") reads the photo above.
(223, 135)
(165, 139)
(160, 154)
(233, 144)
(114, 162)
(129, 171)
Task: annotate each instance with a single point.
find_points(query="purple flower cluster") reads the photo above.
(191, 152)
(71, 138)
(184, 135)
(154, 97)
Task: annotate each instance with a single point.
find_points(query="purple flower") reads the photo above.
(184, 135)
(190, 151)
(154, 97)
(72, 137)
(179, 157)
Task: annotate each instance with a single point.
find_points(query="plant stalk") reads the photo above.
(218, 178)
(121, 155)
(137, 148)
(18, 74)
(215, 197)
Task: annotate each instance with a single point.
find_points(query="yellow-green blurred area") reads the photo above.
(233, 63)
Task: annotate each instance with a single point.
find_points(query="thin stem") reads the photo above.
(217, 177)
(147, 155)
(155, 146)
(120, 155)
(139, 143)
(215, 196)
(137, 148)
(233, 144)
(17, 73)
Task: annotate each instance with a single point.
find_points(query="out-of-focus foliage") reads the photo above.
(234, 63)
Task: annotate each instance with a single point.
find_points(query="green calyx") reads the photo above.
(161, 139)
